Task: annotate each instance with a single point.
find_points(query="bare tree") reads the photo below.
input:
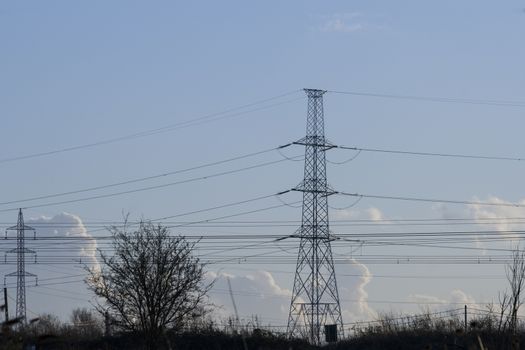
(515, 271)
(86, 323)
(504, 303)
(152, 282)
(47, 324)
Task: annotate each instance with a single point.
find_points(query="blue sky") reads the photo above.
(73, 73)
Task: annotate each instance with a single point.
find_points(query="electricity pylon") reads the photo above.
(21, 272)
(315, 299)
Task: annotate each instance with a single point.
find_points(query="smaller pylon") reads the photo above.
(21, 272)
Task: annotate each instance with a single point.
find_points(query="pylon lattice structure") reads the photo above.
(315, 298)
(21, 272)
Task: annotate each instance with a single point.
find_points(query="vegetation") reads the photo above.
(150, 283)
(425, 331)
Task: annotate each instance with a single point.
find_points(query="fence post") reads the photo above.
(465, 318)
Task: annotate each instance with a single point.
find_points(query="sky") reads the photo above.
(150, 88)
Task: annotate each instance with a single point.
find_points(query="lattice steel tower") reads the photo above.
(21, 272)
(315, 299)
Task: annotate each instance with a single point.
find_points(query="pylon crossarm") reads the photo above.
(20, 250)
(323, 146)
(23, 227)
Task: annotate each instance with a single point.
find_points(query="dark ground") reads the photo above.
(220, 341)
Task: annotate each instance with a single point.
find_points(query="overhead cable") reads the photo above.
(489, 102)
(148, 188)
(196, 121)
(431, 154)
(433, 200)
(152, 177)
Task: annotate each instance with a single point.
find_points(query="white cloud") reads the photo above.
(255, 293)
(349, 22)
(68, 225)
(447, 212)
(455, 300)
(375, 214)
(426, 299)
(339, 25)
(352, 292)
(371, 213)
(458, 296)
(498, 216)
(258, 293)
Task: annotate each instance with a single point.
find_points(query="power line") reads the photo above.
(256, 235)
(126, 182)
(222, 206)
(371, 301)
(431, 154)
(429, 245)
(231, 215)
(276, 257)
(148, 188)
(196, 121)
(198, 211)
(254, 245)
(67, 279)
(432, 200)
(469, 276)
(275, 260)
(292, 223)
(489, 102)
(54, 294)
(45, 280)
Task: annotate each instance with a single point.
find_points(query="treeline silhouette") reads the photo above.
(86, 330)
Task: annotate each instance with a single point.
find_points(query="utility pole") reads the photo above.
(466, 324)
(107, 324)
(315, 306)
(6, 306)
(21, 272)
